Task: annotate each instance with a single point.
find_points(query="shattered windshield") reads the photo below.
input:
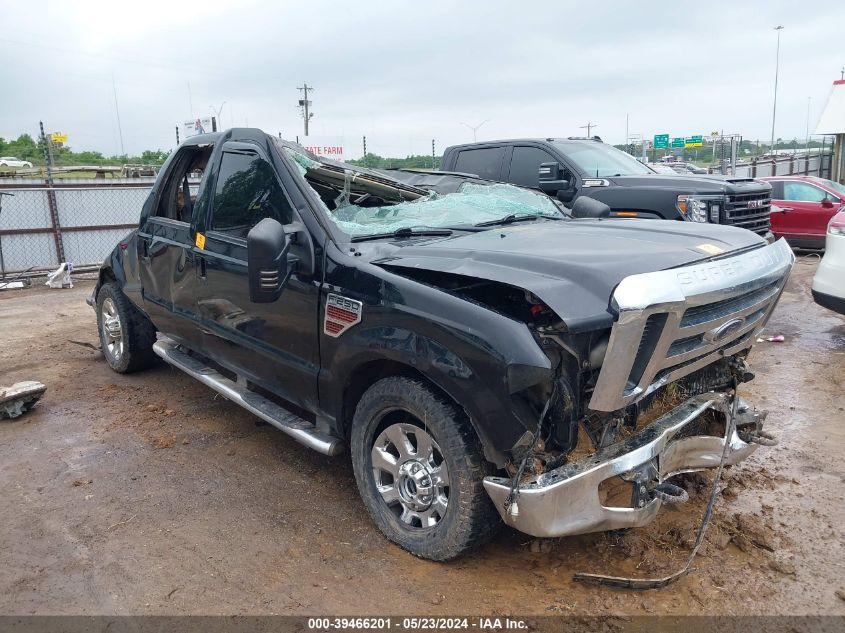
(363, 203)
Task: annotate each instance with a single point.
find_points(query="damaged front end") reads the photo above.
(660, 392)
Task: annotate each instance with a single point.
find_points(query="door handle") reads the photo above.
(145, 251)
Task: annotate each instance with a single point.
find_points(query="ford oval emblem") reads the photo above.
(724, 331)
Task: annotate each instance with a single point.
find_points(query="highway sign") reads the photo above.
(678, 142)
(661, 141)
(693, 141)
(58, 137)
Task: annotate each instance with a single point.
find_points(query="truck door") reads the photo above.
(167, 255)
(272, 344)
(525, 165)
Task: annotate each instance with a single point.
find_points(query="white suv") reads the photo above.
(11, 161)
(829, 282)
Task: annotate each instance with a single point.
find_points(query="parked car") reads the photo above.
(13, 163)
(570, 168)
(805, 205)
(829, 280)
(458, 344)
(661, 168)
(686, 168)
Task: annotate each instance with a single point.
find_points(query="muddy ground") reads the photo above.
(146, 494)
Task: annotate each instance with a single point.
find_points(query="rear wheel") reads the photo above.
(419, 469)
(126, 335)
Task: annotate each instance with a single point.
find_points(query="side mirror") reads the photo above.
(267, 247)
(827, 203)
(585, 207)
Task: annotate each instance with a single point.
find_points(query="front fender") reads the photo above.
(478, 357)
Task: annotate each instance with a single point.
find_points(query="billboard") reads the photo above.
(200, 125)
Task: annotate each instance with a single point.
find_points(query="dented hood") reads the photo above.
(573, 266)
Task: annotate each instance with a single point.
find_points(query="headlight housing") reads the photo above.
(699, 208)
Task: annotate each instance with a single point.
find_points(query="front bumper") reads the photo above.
(566, 501)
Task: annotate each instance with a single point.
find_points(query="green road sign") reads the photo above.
(661, 141)
(678, 142)
(693, 141)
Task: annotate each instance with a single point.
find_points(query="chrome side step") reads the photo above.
(300, 430)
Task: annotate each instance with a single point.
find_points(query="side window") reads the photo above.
(481, 162)
(802, 192)
(247, 192)
(525, 165)
(188, 170)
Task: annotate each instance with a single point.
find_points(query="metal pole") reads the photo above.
(433, 156)
(51, 197)
(809, 99)
(177, 136)
(365, 151)
(775, 102)
(117, 113)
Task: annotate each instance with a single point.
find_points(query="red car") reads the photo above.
(802, 206)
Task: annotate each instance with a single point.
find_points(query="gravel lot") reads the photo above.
(146, 494)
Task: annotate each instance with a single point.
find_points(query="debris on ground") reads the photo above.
(96, 348)
(13, 285)
(19, 398)
(782, 567)
(777, 338)
(60, 278)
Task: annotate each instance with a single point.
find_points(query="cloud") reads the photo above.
(405, 73)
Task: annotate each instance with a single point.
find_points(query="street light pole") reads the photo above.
(809, 99)
(218, 111)
(775, 103)
(475, 128)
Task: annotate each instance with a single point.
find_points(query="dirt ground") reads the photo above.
(146, 494)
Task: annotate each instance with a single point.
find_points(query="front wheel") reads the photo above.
(419, 468)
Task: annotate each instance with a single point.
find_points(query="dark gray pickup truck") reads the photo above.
(482, 356)
(569, 168)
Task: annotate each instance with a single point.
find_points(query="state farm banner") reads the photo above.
(324, 146)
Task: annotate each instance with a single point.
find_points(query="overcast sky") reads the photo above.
(402, 73)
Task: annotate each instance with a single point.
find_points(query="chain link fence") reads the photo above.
(77, 221)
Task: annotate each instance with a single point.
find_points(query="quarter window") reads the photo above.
(802, 192)
(247, 192)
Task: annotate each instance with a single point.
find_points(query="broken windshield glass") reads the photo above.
(366, 203)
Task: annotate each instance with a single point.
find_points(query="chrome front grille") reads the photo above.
(673, 322)
(750, 211)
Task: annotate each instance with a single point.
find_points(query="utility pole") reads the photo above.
(218, 112)
(809, 99)
(775, 103)
(475, 128)
(305, 104)
(117, 112)
(589, 127)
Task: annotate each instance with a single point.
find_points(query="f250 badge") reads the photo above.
(341, 314)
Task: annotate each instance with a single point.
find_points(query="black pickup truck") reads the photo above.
(479, 353)
(572, 167)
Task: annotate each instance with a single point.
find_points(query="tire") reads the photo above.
(432, 500)
(126, 335)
